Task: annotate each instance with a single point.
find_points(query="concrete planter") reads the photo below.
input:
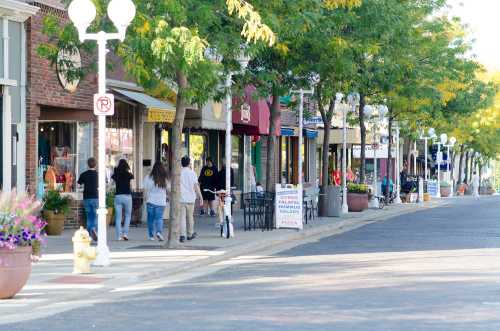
(357, 202)
(55, 222)
(15, 269)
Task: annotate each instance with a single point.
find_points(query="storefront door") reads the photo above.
(197, 151)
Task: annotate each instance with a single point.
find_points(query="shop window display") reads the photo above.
(61, 148)
(120, 137)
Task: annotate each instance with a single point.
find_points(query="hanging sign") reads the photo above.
(245, 113)
(160, 115)
(104, 104)
(289, 207)
(432, 188)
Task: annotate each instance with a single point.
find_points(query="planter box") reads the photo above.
(357, 202)
(445, 191)
(15, 269)
(413, 197)
(55, 223)
(427, 197)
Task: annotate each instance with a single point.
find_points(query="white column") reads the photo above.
(21, 128)
(375, 202)
(398, 166)
(103, 255)
(426, 176)
(7, 113)
(438, 195)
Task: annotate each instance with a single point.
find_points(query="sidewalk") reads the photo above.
(52, 286)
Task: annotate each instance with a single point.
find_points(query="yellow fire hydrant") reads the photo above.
(83, 254)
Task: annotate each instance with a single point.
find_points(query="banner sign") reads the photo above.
(313, 120)
(160, 115)
(289, 207)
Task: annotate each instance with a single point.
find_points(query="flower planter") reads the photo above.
(15, 269)
(445, 191)
(427, 197)
(55, 223)
(461, 189)
(110, 216)
(357, 202)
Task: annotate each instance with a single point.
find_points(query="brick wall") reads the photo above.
(44, 89)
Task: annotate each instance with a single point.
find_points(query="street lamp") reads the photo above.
(375, 115)
(431, 134)
(82, 13)
(352, 103)
(243, 61)
(398, 165)
(443, 138)
(451, 144)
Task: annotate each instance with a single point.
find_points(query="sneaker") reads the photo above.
(212, 213)
(125, 237)
(160, 237)
(120, 238)
(182, 239)
(193, 236)
(202, 212)
(151, 239)
(93, 235)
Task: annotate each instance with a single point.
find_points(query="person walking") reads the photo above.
(155, 187)
(123, 199)
(475, 185)
(221, 186)
(90, 197)
(207, 180)
(190, 189)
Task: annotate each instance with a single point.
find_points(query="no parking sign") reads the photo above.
(104, 104)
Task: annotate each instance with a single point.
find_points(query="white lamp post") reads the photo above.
(243, 60)
(448, 146)
(431, 135)
(301, 93)
(82, 13)
(439, 158)
(398, 166)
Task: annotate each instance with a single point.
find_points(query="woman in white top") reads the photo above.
(155, 187)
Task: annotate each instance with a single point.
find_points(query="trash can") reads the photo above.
(334, 201)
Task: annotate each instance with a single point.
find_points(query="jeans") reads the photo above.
(155, 219)
(91, 206)
(123, 202)
(187, 219)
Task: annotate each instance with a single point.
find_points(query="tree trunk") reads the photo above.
(472, 164)
(175, 196)
(460, 164)
(362, 170)
(275, 113)
(389, 156)
(325, 176)
(467, 167)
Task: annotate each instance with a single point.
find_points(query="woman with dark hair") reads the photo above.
(155, 186)
(123, 198)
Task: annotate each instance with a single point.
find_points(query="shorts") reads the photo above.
(207, 196)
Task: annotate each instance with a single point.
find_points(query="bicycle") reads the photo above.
(226, 229)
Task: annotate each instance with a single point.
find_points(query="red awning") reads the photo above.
(251, 115)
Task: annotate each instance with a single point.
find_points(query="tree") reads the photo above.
(165, 45)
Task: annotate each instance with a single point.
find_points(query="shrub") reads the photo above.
(357, 188)
(53, 201)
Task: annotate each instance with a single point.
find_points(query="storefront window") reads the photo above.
(197, 143)
(120, 137)
(63, 150)
(236, 161)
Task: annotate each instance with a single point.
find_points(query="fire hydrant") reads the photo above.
(83, 254)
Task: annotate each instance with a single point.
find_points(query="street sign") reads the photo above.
(313, 120)
(104, 104)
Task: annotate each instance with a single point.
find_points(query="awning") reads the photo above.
(311, 134)
(158, 111)
(288, 132)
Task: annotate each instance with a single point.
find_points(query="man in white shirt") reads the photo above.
(190, 190)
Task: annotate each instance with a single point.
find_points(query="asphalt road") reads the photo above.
(433, 270)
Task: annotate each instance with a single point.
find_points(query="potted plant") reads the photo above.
(461, 189)
(20, 240)
(486, 188)
(55, 209)
(110, 206)
(445, 189)
(357, 197)
(413, 195)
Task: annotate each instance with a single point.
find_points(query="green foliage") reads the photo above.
(110, 199)
(357, 188)
(53, 201)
